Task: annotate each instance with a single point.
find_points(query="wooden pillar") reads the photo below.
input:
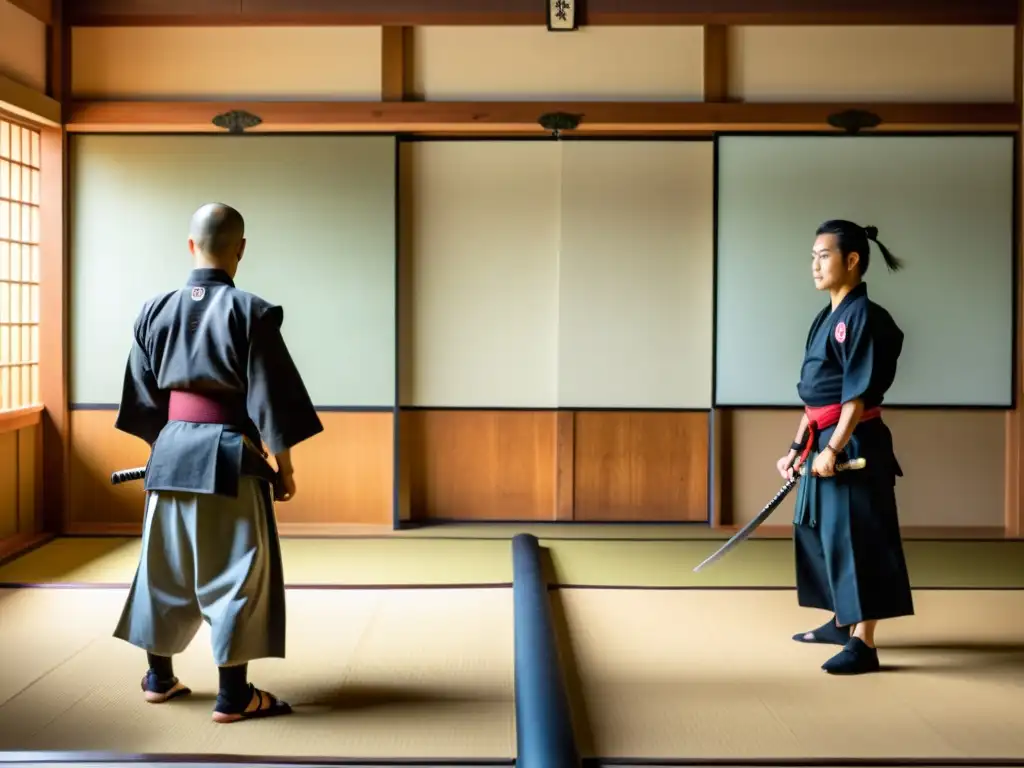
(53, 316)
(716, 63)
(396, 64)
(1014, 516)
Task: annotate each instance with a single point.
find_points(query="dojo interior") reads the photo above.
(555, 372)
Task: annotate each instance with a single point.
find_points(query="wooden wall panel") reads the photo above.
(22, 47)
(20, 478)
(343, 475)
(97, 449)
(529, 63)
(875, 64)
(288, 63)
(565, 469)
(40, 10)
(480, 465)
(641, 466)
(30, 450)
(8, 484)
(953, 464)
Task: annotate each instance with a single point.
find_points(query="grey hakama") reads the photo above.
(213, 558)
(210, 547)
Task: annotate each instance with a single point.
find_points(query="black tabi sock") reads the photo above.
(856, 658)
(826, 633)
(234, 694)
(162, 667)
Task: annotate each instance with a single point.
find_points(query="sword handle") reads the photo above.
(127, 475)
(843, 467)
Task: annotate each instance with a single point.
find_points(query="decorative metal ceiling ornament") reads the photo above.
(236, 121)
(556, 122)
(853, 121)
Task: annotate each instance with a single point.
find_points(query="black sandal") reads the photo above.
(276, 708)
(159, 691)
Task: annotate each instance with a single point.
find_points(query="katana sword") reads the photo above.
(771, 506)
(138, 473)
(127, 475)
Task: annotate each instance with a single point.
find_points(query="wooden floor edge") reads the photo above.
(287, 530)
(227, 758)
(22, 543)
(660, 532)
(908, 532)
(588, 761)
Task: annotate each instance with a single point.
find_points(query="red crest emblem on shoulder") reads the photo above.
(840, 331)
(198, 293)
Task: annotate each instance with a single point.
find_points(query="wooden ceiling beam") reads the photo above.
(531, 12)
(521, 117)
(39, 9)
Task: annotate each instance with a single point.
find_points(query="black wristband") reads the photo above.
(796, 446)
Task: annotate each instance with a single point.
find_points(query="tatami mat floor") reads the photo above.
(702, 674)
(776, 527)
(419, 673)
(403, 674)
(370, 673)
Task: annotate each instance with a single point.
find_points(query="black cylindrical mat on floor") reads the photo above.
(544, 735)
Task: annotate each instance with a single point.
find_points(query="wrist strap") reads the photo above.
(796, 447)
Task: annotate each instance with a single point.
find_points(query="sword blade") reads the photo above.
(753, 525)
(744, 533)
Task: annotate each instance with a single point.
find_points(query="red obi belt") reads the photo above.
(201, 408)
(825, 416)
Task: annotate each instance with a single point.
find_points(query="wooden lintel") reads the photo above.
(27, 103)
(521, 117)
(39, 9)
(531, 12)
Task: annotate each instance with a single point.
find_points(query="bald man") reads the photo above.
(208, 379)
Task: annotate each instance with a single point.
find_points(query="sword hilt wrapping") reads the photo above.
(842, 466)
(127, 475)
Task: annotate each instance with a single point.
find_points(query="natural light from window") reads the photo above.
(19, 265)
